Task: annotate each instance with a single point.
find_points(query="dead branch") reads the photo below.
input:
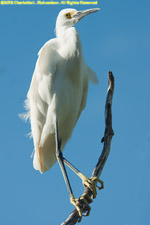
(74, 217)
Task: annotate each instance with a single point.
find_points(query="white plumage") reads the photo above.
(58, 88)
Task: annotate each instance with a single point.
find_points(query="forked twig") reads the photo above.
(74, 216)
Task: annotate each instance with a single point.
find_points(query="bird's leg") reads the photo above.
(76, 202)
(87, 182)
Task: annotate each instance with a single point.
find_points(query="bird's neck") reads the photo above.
(69, 37)
(66, 34)
(61, 31)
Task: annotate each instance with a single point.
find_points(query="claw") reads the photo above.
(78, 203)
(83, 198)
(82, 203)
(98, 180)
(91, 184)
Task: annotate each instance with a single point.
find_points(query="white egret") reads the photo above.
(57, 96)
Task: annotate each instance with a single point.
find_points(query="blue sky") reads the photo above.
(117, 38)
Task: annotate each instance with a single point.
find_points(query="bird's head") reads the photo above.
(69, 17)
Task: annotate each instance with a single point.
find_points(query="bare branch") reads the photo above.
(74, 216)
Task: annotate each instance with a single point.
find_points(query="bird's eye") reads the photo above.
(68, 15)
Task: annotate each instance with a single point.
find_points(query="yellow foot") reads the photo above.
(79, 203)
(91, 184)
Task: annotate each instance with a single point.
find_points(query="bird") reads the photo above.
(57, 96)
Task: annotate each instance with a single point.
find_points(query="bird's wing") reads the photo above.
(40, 94)
(43, 74)
(46, 64)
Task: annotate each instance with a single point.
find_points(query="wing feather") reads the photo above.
(39, 97)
